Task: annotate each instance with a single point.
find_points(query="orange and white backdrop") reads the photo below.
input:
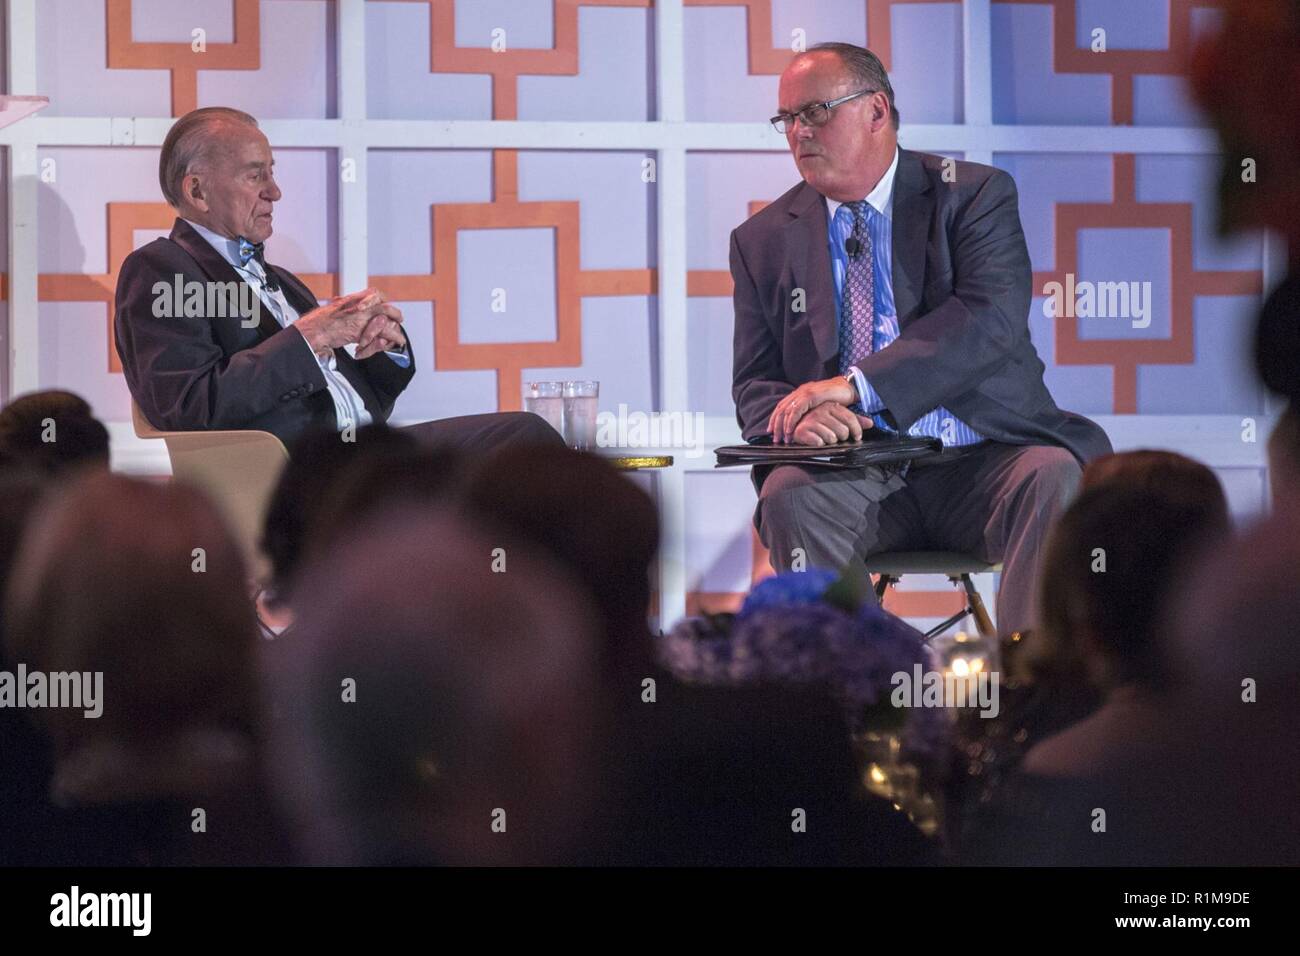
(547, 188)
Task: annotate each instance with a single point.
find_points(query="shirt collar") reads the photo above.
(881, 199)
(228, 248)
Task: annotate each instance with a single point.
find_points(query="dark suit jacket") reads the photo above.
(961, 288)
(211, 372)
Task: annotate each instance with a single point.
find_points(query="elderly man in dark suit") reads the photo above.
(890, 290)
(211, 335)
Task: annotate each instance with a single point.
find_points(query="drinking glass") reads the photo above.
(547, 400)
(580, 414)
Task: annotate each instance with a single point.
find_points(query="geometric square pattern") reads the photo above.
(1185, 283)
(560, 208)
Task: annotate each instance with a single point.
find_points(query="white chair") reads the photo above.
(238, 470)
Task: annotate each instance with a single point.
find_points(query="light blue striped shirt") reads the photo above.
(938, 422)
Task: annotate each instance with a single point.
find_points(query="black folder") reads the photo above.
(883, 450)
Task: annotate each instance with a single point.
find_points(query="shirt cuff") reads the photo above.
(402, 359)
(314, 357)
(868, 398)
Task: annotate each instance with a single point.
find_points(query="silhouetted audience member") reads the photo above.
(141, 583)
(1239, 76)
(1284, 459)
(316, 461)
(1174, 477)
(435, 705)
(21, 487)
(598, 525)
(1152, 513)
(25, 761)
(1115, 560)
(595, 520)
(1231, 765)
(1114, 566)
(381, 477)
(54, 431)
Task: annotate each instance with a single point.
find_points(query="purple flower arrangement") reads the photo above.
(814, 627)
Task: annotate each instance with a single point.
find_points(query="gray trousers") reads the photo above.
(993, 500)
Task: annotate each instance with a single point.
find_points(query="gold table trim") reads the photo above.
(637, 462)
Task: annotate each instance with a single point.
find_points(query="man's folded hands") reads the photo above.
(828, 424)
(364, 318)
(817, 413)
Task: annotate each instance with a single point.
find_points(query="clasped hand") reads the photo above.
(365, 318)
(817, 413)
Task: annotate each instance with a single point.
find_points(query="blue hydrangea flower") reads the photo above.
(785, 633)
(788, 589)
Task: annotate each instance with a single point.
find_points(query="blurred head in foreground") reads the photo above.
(1246, 76)
(1228, 757)
(434, 702)
(52, 431)
(1284, 460)
(1140, 519)
(329, 482)
(141, 583)
(599, 525)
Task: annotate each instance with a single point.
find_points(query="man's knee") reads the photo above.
(528, 428)
(782, 489)
(1053, 474)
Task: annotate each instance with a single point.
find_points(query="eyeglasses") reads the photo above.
(816, 114)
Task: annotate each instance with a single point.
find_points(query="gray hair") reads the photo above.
(865, 67)
(187, 143)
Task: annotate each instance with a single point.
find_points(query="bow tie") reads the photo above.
(249, 250)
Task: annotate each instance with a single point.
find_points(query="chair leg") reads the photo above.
(938, 629)
(982, 623)
(883, 581)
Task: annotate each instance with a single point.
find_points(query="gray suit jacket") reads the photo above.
(194, 372)
(962, 291)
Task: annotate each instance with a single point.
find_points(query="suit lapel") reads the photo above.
(912, 212)
(217, 269)
(215, 266)
(810, 262)
(295, 290)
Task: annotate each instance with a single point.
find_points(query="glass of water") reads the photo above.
(547, 400)
(580, 414)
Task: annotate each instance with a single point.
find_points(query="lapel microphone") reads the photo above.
(853, 247)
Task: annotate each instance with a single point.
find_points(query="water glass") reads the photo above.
(547, 400)
(580, 414)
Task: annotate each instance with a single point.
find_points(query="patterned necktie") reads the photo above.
(858, 298)
(249, 250)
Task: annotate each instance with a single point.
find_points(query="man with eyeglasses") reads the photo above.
(889, 292)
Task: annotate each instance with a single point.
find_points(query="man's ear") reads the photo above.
(878, 114)
(192, 190)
